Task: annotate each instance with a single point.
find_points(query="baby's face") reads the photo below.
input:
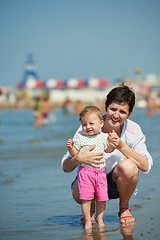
(91, 124)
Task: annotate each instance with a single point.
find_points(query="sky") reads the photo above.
(79, 39)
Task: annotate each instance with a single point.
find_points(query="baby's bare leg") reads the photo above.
(86, 207)
(100, 209)
(75, 193)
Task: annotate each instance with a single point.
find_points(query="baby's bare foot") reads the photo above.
(100, 223)
(88, 224)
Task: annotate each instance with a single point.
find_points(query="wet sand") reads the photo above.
(35, 196)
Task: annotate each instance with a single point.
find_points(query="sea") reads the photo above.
(35, 196)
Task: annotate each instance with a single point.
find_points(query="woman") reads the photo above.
(124, 163)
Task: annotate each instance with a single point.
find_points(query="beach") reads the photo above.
(35, 195)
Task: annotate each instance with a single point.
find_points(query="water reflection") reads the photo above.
(95, 234)
(102, 234)
(127, 231)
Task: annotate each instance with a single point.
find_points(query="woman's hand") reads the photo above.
(129, 153)
(90, 158)
(113, 140)
(86, 157)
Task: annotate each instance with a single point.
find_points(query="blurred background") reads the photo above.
(68, 49)
(56, 57)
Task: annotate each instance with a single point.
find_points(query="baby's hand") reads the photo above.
(70, 143)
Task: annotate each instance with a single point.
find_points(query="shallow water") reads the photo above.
(35, 196)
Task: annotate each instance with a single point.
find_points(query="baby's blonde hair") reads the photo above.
(90, 109)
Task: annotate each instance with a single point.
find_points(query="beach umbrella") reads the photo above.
(76, 83)
(20, 85)
(34, 83)
(98, 82)
(55, 83)
(5, 90)
(39, 84)
(30, 83)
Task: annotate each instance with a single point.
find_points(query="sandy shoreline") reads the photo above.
(145, 208)
(146, 227)
(148, 219)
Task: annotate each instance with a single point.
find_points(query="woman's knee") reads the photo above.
(127, 168)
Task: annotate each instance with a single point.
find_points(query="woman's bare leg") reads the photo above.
(125, 175)
(75, 192)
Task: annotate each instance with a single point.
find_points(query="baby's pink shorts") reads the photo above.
(91, 182)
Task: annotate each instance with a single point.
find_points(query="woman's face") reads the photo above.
(117, 113)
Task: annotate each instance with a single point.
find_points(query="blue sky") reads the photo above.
(79, 39)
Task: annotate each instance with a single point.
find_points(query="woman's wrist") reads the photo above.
(121, 145)
(77, 158)
(70, 163)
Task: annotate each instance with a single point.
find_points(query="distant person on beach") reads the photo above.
(46, 107)
(152, 104)
(78, 106)
(37, 112)
(42, 109)
(68, 106)
(125, 162)
(91, 181)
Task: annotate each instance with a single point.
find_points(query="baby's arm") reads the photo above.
(71, 148)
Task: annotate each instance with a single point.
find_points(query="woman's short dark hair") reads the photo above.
(121, 94)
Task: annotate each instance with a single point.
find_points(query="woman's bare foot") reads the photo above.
(125, 216)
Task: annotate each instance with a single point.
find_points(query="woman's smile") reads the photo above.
(117, 113)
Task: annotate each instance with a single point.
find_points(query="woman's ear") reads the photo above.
(130, 114)
(102, 123)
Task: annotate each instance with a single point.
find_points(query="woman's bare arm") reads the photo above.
(86, 157)
(138, 159)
